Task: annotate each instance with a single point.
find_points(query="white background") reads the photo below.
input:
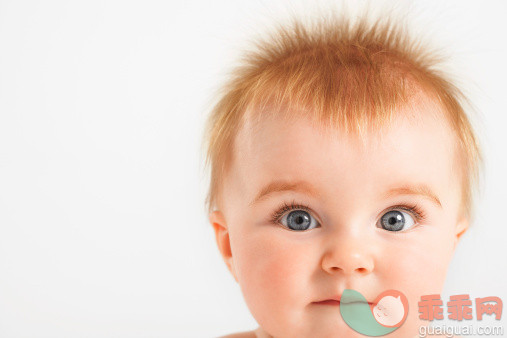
(102, 226)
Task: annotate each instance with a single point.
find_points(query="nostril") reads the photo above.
(361, 270)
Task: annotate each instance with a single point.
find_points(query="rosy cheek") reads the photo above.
(274, 274)
(275, 279)
(285, 265)
(269, 269)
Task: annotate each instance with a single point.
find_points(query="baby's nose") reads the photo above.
(348, 254)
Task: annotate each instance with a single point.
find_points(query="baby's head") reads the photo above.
(340, 159)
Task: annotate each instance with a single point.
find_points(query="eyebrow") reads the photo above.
(305, 187)
(420, 189)
(282, 185)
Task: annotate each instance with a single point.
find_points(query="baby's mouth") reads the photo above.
(336, 302)
(328, 302)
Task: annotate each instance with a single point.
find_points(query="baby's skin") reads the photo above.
(307, 213)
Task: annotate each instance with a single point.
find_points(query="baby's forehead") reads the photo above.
(417, 145)
(422, 116)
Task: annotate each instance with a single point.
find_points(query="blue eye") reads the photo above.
(294, 216)
(299, 220)
(396, 220)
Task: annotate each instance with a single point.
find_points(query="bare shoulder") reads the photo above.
(245, 334)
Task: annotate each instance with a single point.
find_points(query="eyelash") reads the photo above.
(282, 209)
(414, 209)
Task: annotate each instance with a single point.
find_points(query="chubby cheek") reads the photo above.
(418, 265)
(273, 273)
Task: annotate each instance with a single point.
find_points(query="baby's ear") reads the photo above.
(461, 228)
(217, 220)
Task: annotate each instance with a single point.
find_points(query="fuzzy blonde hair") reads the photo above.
(344, 75)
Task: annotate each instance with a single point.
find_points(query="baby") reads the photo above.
(341, 158)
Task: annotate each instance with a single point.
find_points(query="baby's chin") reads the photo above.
(402, 332)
